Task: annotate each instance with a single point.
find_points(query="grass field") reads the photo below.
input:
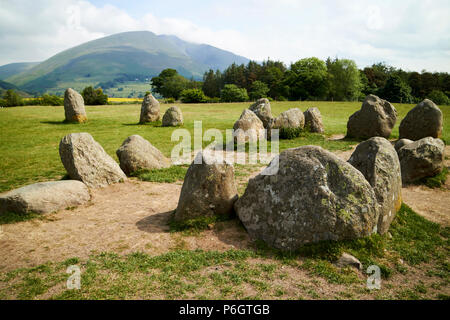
(30, 136)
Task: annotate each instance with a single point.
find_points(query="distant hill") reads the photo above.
(7, 86)
(130, 55)
(9, 70)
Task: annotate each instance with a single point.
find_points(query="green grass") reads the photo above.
(30, 135)
(167, 175)
(12, 217)
(437, 181)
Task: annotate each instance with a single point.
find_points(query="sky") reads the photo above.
(410, 34)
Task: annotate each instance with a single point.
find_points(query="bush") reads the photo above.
(93, 96)
(232, 93)
(193, 96)
(12, 99)
(290, 133)
(258, 90)
(439, 97)
(169, 100)
(213, 100)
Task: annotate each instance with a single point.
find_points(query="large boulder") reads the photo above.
(292, 118)
(149, 109)
(377, 160)
(248, 127)
(172, 117)
(74, 106)
(424, 120)
(136, 153)
(208, 189)
(313, 120)
(262, 109)
(401, 143)
(421, 159)
(86, 160)
(45, 197)
(313, 196)
(376, 118)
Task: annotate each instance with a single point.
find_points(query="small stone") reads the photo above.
(348, 260)
(149, 109)
(172, 117)
(263, 111)
(74, 106)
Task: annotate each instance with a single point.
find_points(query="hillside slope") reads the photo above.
(12, 69)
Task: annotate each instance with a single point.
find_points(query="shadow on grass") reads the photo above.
(11, 217)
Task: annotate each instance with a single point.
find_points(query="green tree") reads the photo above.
(212, 83)
(258, 90)
(93, 96)
(344, 80)
(12, 98)
(396, 90)
(439, 97)
(232, 93)
(169, 83)
(193, 96)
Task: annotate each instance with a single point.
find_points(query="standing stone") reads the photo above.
(85, 160)
(74, 106)
(248, 127)
(208, 189)
(376, 118)
(262, 109)
(149, 109)
(313, 120)
(424, 120)
(292, 118)
(136, 153)
(172, 117)
(45, 197)
(377, 160)
(401, 143)
(313, 196)
(421, 159)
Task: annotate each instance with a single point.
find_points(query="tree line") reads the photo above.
(307, 79)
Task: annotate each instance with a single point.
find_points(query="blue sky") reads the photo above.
(411, 34)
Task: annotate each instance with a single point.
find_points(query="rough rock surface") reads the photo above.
(248, 127)
(149, 109)
(292, 118)
(421, 159)
(424, 120)
(313, 196)
(377, 160)
(401, 143)
(313, 120)
(208, 189)
(45, 197)
(376, 118)
(172, 117)
(74, 106)
(136, 153)
(263, 111)
(86, 160)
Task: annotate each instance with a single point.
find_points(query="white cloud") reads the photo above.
(412, 34)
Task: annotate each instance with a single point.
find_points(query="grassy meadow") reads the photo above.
(30, 135)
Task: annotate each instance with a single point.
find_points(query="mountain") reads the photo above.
(130, 55)
(4, 86)
(9, 70)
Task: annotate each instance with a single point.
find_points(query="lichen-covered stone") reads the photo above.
(263, 111)
(149, 109)
(424, 120)
(248, 127)
(292, 118)
(208, 189)
(377, 160)
(86, 160)
(313, 196)
(376, 118)
(313, 120)
(172, 117)
(401, 143)
(421, 159)
(136, 153)
(44, 197)
(74, 106)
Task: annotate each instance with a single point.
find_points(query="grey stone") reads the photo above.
(208, 189)
(149, 109)
(313, 120)
(248, 127)
(172, 117)
(377, 160)
(263, 111)
(136, 153)
(401, 143)
(424, 120)
(86, 160)
(45, 197)
(348, 260)
(74, 106)
(292, 118)
(376, 118)
(313, 196)
(421, 159)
